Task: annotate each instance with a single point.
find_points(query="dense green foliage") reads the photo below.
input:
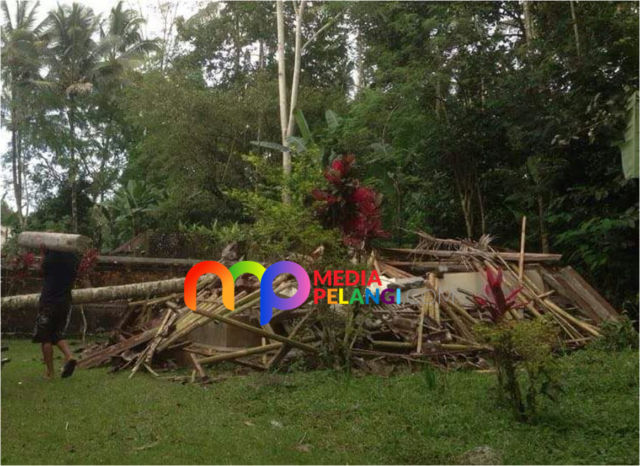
(325, 417)
(464, 115)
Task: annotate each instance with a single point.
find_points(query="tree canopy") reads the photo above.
(462, 116)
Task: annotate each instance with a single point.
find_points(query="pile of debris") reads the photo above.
(161, 332)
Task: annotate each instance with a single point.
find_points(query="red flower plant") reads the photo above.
(22, 264)
(347, 205)
(87, 264)
(495, 302)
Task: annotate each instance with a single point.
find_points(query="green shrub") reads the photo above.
(519, 346)
(523, 356)
(617, 335)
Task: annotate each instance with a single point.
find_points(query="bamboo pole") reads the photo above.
(282, 352)
(423, 311)
(240, 354)
(553, 307)
(433, 280)
(394, 344)
(197, 366)
(523, 236)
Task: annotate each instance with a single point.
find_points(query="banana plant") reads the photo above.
(306, 140)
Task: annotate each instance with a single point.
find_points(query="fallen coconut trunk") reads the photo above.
(106, 293)
(54, 241)
(148, 261)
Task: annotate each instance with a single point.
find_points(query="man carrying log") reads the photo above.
(59, 269)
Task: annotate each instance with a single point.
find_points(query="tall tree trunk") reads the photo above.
(16, 154)
(20, 191)
(529, 27)
(359, 81)
(260, 54)
(17, 194)
(238, 49)
(295, 82)
(544, 233)
(465, 203)
(73, 170)
(282, 96)
(483, 224)
(574, 20)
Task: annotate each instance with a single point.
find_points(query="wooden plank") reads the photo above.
(430, 266)
(508, 256)
(599, 305)
(148, 261)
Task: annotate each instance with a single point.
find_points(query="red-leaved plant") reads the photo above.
(22, 264)
(518, 346)
(87, 264)
(349, 206)
(495, 302)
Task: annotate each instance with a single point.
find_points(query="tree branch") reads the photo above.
(321, 30)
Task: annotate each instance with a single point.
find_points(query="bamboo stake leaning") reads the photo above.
(523, 236)
(534, 291)
(246, 352)
(146, 356)
(282, 352)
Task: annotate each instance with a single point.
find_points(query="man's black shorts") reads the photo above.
(51, 322)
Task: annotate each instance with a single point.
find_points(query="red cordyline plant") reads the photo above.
(495, 302)
(22, 264)
(349, 206)
(87, 264)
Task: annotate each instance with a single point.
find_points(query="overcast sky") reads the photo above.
(150, 10)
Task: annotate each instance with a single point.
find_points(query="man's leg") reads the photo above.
(64, 347)
(70, 362)
(47, 354)
(43, 334)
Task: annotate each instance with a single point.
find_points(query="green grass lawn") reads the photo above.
(320, 417)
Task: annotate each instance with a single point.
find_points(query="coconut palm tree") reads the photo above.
(72, 58)
(122, 48)
(85, 53)
(122, 45)
(21, 56)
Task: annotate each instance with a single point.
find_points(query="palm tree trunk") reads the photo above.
(73, 172)
(20, 189)
(16, 155)
(282, 94)
(14, 171)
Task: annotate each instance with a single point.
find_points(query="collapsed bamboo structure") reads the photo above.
(441, 332)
